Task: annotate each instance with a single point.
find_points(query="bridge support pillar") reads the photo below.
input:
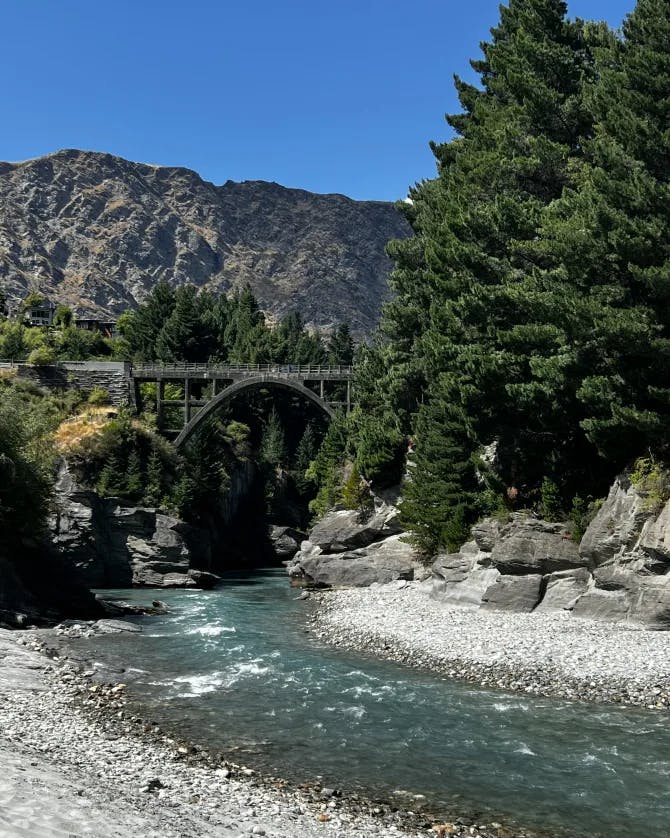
(348, 396)
(187, 401)
(160, 396)
(321, 388)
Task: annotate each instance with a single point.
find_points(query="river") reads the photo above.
(234, 669)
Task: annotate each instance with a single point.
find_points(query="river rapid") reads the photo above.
(235, 670)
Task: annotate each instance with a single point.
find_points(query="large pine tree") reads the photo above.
(608, 245)
(465, 329)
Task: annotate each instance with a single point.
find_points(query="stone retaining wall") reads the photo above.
(112, 376)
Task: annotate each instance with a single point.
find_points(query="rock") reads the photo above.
(110, 544)
(616, 527)
(650, 605)
(459, 579)
(654, 540)
(530, 545)
(563, 589)
(347, 529)
(286, 541)
(116, 627)
(513, 593)
(600, 604)
(486, 533)
(382, 562)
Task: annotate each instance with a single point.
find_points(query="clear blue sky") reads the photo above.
(327, 95)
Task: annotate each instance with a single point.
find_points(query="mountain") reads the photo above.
(97, 232)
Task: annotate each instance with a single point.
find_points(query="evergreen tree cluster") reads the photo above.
(187, 325)
(525, 356)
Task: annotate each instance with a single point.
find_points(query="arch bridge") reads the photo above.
(206, 387)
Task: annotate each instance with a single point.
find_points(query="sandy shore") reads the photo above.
(550, 654)
(75, 762)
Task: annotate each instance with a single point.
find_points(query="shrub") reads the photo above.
(652, 480)
(43, 356)
(98, 397)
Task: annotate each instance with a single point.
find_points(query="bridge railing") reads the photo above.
(298, 370)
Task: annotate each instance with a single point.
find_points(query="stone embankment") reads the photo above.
(75, 760)
(86, 376)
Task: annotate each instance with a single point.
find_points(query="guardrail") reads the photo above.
(301, 370)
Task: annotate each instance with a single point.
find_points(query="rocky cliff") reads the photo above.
(97, 232)
(620, 571)
(111, 545)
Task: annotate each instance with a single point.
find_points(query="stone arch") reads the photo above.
(250, 384)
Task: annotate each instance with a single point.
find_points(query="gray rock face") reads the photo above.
(619, 573)
(459, 578)
(616, 528)
(97, 232)
(285, 541)
(346, 530)
(513, 593)
(529, 545)
(344, 550)
(563, 589)
(382, 562)
(112, 545)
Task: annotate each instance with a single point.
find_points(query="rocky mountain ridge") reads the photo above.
(97, 232)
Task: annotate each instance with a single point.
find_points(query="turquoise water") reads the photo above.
(234, 669)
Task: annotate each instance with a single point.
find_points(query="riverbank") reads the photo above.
(548, 654)
(75, 761)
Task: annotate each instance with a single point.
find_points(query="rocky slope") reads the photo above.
(97, 232)
(111, 545)
(619, 572)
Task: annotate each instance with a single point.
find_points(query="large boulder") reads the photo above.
(513, 593)
(529, 545)
(460, 579)
(285, 541)
(382, 562)
(349, 529)
(562, 589)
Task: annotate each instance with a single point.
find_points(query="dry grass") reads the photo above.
(72, 431)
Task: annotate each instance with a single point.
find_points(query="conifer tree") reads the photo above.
(273, 443)
(461, 334)
(341, 346)
(142, 326)
(608, 245)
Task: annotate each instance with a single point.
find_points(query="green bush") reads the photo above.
(651, 479)
(98, 397)
(43, 356)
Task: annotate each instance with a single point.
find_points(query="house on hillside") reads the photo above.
(93, 324)
(40, 312)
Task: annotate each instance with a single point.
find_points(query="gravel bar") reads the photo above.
(546, 654)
